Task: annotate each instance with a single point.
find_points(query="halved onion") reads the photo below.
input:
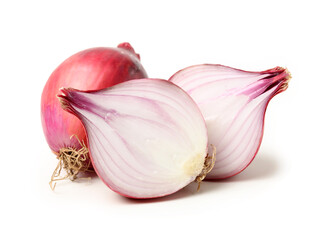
(233, 103)
(147, 138)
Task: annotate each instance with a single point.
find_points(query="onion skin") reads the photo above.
(233, 103)
(91, 69)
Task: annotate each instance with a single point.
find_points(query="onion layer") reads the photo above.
(233, 103)
(147, 137)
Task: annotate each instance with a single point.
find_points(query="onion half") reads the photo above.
(233, 103)
(147, 137)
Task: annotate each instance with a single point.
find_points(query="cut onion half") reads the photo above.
(233, 103)
(147, 138)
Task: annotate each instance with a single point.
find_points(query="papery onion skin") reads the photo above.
(91, 69)
(224, 95)
(146, 137)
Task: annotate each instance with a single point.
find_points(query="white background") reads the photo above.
(277, 197)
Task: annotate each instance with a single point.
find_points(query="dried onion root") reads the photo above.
(73, 161)
(208, 166)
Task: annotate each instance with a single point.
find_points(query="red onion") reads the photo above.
(233, 103)
(91, 69)
(147, 138)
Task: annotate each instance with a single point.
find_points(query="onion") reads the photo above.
(91, 69)
(147, 137)
(233, 103)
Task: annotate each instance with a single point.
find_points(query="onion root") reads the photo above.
(208, 166)
(73, 161)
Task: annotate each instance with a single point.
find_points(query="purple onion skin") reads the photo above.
(91, 69)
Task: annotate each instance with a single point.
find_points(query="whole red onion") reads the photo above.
(91, 69)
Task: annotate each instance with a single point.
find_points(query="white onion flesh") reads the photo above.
(147, 138)
(233, 103)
